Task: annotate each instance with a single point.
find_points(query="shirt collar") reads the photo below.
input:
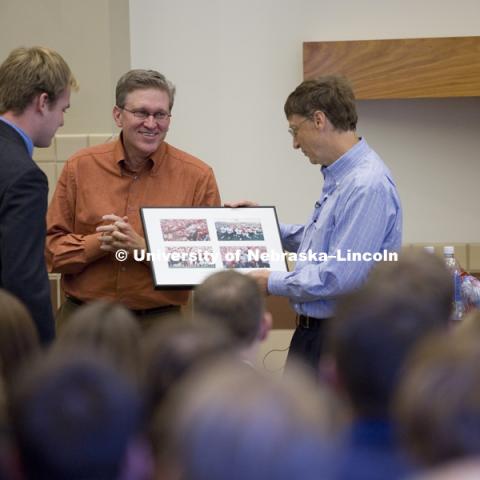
(26, 138)
(340, 168)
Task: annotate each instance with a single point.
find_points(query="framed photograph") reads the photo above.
(186, 245)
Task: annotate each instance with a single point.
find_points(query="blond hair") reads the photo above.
(28, 72)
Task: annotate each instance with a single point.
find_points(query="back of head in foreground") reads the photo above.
(424, 275)
(228, 421)
(235, 301)
(73, 417)
(18, 335)
(374, 330)
(176, 347)
(438, 405)
(106, 328)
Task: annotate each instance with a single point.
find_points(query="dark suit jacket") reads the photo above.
(23, 207)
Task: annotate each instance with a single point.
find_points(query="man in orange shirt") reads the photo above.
(95, 209)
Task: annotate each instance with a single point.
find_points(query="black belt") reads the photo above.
(306, 321)
(138, 313)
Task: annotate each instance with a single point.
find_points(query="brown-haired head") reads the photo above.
(109, 329)
(18, 335)
(140, 79)
(234, 300)
(330, 94)
(437, 404)
(28, 72)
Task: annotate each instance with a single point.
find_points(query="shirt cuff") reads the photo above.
(92, 247)
(277, 284)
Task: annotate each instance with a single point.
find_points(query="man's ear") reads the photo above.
(117, 116)
(265, 326)
(319, 119)
(41, 102)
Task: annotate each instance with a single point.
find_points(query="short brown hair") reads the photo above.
(18, 335)
(28, 72)
(400, 304)
(425, 275)
(437, 405)
(109, 329)
(233, 299)
(228, 414)
(331, 94)
(140, 80)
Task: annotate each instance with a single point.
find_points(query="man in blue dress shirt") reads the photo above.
(356, 220)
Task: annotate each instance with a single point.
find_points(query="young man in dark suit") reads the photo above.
(35, 86)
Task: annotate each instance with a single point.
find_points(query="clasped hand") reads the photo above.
(119, 234)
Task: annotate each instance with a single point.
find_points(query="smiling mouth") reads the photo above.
(149, 134)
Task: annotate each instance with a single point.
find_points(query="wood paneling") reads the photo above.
(404, 68)
(284, 316)
(474, 257)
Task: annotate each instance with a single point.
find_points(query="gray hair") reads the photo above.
(140, 79)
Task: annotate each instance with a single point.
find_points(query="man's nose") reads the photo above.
(150, 122)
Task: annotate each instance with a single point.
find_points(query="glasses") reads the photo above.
(143, 114)
(293, 131)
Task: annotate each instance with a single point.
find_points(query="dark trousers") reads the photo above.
(307, 345)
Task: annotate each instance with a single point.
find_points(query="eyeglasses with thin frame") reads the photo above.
(143, 114)
(293, 131)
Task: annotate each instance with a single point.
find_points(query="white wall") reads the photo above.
(234, 63)
(92, 36)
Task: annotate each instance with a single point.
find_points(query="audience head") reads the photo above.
(424, 275)
(174, 348)
(376, 327)
(18, 335)
(228, 421)
(234, 301)
(108, 328)
(73, 417)
(330, 94)
(438, 405)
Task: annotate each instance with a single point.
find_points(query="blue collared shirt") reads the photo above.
(359, 212)
(26, 138)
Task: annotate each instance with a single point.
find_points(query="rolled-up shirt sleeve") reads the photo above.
(66, 251)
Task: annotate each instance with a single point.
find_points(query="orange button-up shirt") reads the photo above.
(94, 183)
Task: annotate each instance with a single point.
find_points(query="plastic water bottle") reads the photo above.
(454, 267)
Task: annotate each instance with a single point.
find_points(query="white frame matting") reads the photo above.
(186, 244)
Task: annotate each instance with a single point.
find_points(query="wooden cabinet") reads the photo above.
(404, 68)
